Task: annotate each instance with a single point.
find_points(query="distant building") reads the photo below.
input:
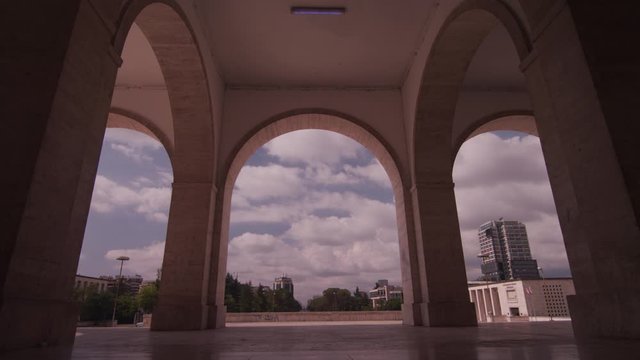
(283, 282)
(84, 283)
(505, 251)
(384, 292)
(130, 283)
(522, 300)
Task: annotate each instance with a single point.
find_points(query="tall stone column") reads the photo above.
(58, 71)
(182, 301)
(409, 265)
(444, 284)
(592, 162)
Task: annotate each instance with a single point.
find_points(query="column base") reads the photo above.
(27, 323)
(448, 313)
(175, 317)
(614, 314)
(411, 314)
(217, 317)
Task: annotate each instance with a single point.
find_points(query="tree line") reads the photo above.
(335, 299)
(239, 297)
(244, 297)
(97, 306)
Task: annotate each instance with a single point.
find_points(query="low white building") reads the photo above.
(522, 300)
(384, 292)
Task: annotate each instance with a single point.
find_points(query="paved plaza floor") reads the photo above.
(530, 341)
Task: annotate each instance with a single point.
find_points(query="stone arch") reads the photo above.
(454, 47)
(182, 302)
(522, 121)
(321, 120)
(313, 119)
(439, 246)
(170, 35)
(126, 119)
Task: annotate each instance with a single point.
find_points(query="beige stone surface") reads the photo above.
(59, 68)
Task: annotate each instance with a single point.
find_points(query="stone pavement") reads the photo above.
(356, 342)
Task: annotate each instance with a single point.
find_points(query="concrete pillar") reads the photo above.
(495, 298)
(182, 301)
(58, 72)
(605, 33)
(444, 282)
(409, 266)
(488, 303)
(592, 162)
(218, 256)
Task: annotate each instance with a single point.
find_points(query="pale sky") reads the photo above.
(317, 206)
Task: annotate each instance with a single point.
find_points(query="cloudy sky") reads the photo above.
(316, 206)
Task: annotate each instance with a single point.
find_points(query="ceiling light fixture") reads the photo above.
(314, 10)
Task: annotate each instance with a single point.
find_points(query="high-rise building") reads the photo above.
(505, 252)
(283, 282)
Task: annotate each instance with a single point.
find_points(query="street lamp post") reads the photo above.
(122, 259)
(486, 279)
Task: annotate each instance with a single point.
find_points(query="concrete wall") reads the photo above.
(314, 316)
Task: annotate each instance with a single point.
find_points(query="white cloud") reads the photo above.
(151, 202)
(335, 238)
(374, 172)
(488, 160)
(507, 178)
(131, 137)
(144, 261)
(323, 174)
(265, 182)
(355, 248)
(313, 146)
(131, 144)
(344, 238)
(253, 243)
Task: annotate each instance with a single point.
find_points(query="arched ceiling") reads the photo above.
(495, 66)
(258, 43)
(140, 67)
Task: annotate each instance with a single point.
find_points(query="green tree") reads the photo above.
(232, 293)
(284, 301)
(147, 298)
(362, 302)
(243, 297)
(126, 309)
(318, 303)
(335, 299)
(97, 306)
(247, 301)
(391, 304)
(263, 299)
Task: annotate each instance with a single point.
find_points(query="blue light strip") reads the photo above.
(305, 10)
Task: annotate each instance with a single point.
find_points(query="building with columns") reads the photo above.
(522, 300)
(384, 292)
(214, 80)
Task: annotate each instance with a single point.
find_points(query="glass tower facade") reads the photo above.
(505, 251)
